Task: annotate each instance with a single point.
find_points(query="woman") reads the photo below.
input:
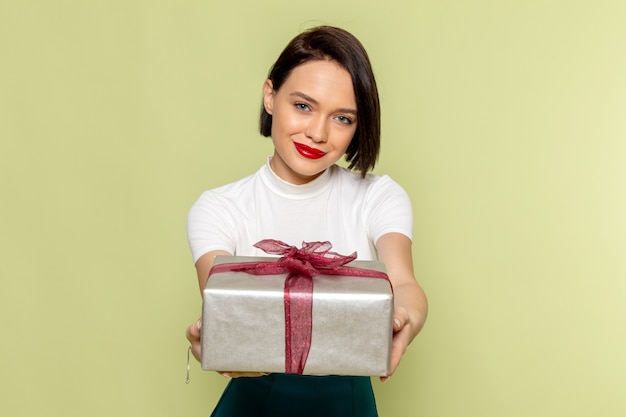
(320, 103)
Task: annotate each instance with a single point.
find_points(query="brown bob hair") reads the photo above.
(327, 42)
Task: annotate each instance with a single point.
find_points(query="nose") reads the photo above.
(317, 129)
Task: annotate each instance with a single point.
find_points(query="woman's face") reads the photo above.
(313, 120)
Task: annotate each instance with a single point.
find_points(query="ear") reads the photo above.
(268, 96)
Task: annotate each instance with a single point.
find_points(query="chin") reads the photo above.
(310, 171)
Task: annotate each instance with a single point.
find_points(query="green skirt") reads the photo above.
(277, 395)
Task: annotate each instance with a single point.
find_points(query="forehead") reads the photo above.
(322, 80)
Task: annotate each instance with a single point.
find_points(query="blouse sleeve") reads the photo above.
(210, 226)
(388, 209)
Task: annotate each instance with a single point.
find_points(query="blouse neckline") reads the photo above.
(293, 191)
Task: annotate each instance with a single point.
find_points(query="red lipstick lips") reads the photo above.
(308, 152)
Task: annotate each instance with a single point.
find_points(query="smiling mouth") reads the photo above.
(308, 152)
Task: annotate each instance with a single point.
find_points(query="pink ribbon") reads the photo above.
(301, 265)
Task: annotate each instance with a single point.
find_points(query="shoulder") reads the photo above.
(228, 193)
(214, 218)
(223, 204)
(381, 203)
(233, 187)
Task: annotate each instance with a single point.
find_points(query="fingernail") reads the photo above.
(198, 325)
(397, 322)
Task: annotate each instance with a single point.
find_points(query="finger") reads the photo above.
(193, 335)
(397, 324)
(400, 318)
(197, 327)
(398, 347)
(194, 330)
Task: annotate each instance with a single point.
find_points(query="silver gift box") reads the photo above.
(243, 322)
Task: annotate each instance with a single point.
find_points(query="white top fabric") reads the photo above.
(339, 206)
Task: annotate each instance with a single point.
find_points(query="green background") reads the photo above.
(504, 120)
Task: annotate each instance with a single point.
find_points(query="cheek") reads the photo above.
(283, 121)
(346, 138)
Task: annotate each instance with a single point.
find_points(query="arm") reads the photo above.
(204, 264)
(411, 305)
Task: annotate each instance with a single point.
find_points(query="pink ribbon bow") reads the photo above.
(301, 265)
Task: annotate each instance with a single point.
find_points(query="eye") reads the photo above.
(344, 120)
(302, 106)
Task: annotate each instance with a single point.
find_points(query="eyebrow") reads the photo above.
(312, 100)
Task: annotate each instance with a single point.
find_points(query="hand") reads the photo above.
(193, 334)
(401, 338)
(411, 305)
